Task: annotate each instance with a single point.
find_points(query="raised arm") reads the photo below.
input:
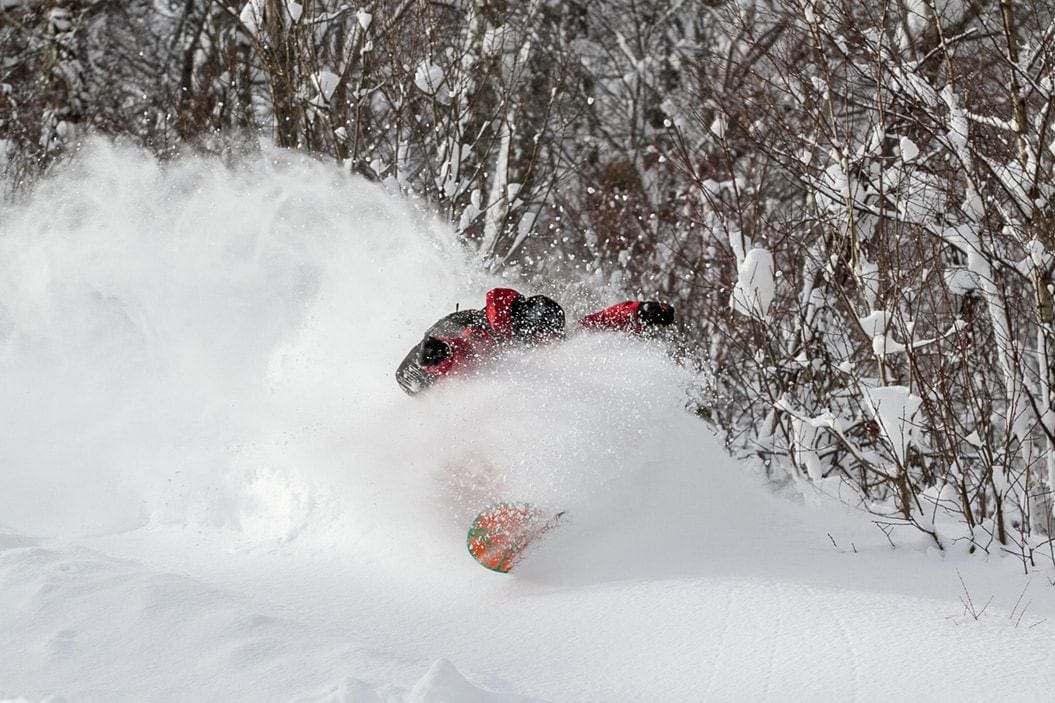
(631, 316)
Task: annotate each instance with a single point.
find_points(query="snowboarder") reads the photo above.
(457, 342)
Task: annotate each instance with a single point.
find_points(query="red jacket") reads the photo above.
(458, 342)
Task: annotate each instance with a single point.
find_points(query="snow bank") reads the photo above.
(68, 608)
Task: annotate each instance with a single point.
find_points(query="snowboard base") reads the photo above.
(499, 535)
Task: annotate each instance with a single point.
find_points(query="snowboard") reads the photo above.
(500, 534)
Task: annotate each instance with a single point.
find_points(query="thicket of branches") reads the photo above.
(896, 162)
(849, 202)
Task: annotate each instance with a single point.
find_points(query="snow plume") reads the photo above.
(197, 344)
(181, 343)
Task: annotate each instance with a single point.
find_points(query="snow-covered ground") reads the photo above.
(211, 487)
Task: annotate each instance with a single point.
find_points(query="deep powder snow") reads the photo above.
(213, 487)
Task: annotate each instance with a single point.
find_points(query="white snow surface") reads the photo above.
(214, 490)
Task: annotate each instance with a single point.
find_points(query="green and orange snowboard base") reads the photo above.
(500, 534)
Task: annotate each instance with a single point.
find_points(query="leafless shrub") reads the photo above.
(895, 166)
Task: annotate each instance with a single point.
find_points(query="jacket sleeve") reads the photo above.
(630, 316)
(621, 317)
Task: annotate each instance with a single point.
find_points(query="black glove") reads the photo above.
(433, 351)
(655, 314)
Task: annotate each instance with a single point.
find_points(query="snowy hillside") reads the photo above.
(212, 487)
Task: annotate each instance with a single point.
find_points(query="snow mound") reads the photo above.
(445, 684)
